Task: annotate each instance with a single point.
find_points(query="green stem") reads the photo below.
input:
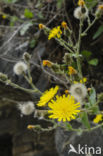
(90, 25)
(21, 88)
(32, 85)
(78, 51)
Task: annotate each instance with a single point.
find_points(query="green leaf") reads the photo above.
(84, 119)
(28, 13)
(95, 110)
(92, 97)
(86, 54)
(33, 43)
(40, 15)
(91, 3)
(98, 32)
(25, 28)
(68, 126)
(59, 4)
(10, 1)
(93, 62)
(13, 19)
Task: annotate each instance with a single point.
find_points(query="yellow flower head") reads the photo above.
(100, 7)
(41, 26)
(30, 126)
(72, 70)
(98, 118)
(47, 96)
(55, 32)
(47, 63)
(64, 25)
(64, 108)
(81, 3)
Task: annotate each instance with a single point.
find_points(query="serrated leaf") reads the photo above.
(92, 96)
(91, 3)
(13, 19)
(93, 62)
(84, 119)
(95, 110)
(25, 28)
(68, 126)
(86, 53)
(28, 13)
(98, 32)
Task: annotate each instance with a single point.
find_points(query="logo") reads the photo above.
(84, 150)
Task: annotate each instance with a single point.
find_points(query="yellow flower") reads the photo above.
(55, 32)
(64, 25)
(84, 80)
(47, 96)
(98, 118)
(71, 70)
(47, 63)
(41, 26)
(64, 108)
(81, 3)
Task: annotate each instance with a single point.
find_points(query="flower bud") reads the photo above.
(41, 26)
(30, 127)
(66, 58)
(47, 63)
(81, 3)
(26, 57)
(64, 25)
(99, 11)
(71, 70)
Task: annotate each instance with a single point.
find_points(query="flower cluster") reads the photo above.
(63, 108)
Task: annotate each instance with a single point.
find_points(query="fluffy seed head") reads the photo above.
(26, 108)
(19, 68)
(80, 13)
(78, 91)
